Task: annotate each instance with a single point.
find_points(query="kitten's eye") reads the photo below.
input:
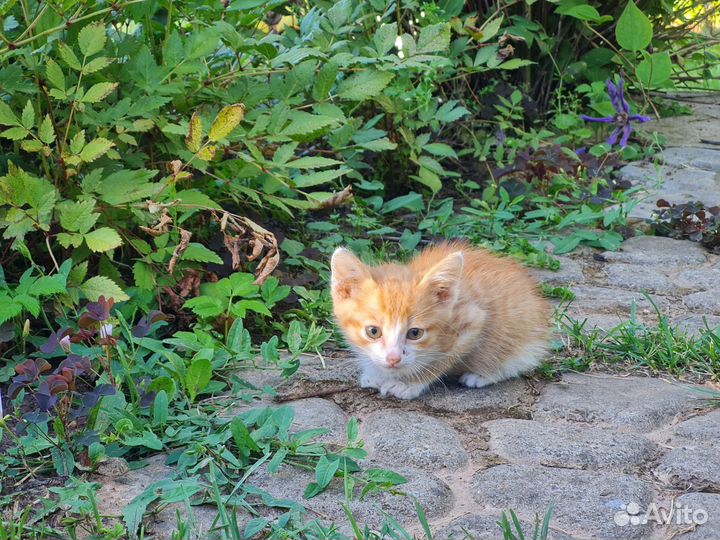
(415, 333)
(373, 332)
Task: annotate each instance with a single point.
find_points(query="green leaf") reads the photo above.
(98, 92)
(199, 253)
(143, 276)
(91, 39)
(148, 440)
(435, 37)
(68, 56)
(127, 186)
(28, 115)
(31, 145)
(8, 308)
(515, 63)
(303, 123)
(95, 148)
(634, 30)
(655, 69)
(490, 29)
(48, 285)
(15, 133)
(160, 408)
(103, 239)
(77, 216)
(54, 74)
(385, 37)
(98, 286)
(411, 201)
(7, 117)
(312, 162)
(565, 244)
(583, 12)
(6, 6)
(198, 377)
(440, 149)
(205, 306)
(226, 121)
(29, 303)
(240, 308)
(241, 435)
(317, 178)
(325, 80)
(364, 85)
(378, 145)
(325, 471)
(97, 64)
(46, 133)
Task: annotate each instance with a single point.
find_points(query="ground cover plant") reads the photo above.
(174, 174)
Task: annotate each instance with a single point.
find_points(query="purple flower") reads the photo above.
(622, 118)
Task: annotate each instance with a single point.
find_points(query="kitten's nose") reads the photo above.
(393, 358)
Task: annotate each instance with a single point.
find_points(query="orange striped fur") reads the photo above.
(481, 318)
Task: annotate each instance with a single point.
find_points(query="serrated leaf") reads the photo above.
(199, 253)
(8, 308)
(94, 149)
(29, 303)
(77, 142)
(70, 239)
(31, 145)
(364, 85)
(205, 306)
(304, 123)
(7, 116)
(207, 153)
(68, 56)
(98, 286)
(317, 178)
(435, 37)
(193, 140)
(226, 121)
(15, 133)
(96, 64)
(91, 39)
(98, 92)
(143, 276)
(54, 74)
(385, 37)
(325, 80)
(28, 115)
(634, 30)
(46, 133)
(47, 285)
(103, 239)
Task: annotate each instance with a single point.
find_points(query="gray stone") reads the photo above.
(658, 250)
(699, 158)
(290, 483)
(696, 468)
(570, 271)
(602, 321)
(640, 404)
(586, 502)
(699, 278)
(703, 429)
(695, 324)
(697, 503)
(413, 439)
(591, 299)
(629, 276)
(527, 441)
(478, 527)
(496, 397)
(708, 301)
(316, 413)
(688, 131)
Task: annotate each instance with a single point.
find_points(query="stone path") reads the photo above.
(603, 449)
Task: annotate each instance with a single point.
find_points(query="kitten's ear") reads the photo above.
(443, 278)
(347, 271)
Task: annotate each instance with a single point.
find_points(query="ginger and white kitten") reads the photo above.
(453, 311)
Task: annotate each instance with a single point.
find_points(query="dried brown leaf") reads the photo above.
(179, 249)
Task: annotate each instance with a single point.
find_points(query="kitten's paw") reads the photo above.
(473, 380)
(369, 379)
(401, 390)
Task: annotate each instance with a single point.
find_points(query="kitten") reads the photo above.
(453, 311)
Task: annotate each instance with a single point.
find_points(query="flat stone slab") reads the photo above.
(658, 251)
(527, 441)
(570, 271)
(696, 158)
(637, 278)
(479, 527)
(702, 430)
(316, 413)
(699, 278)
(708, 301)
(695, 323)
(413, 439)
(290, 482)
(502, 396)
(700, 505)
(589, 298)
(639, 404)
(695, 468)
(586, 502)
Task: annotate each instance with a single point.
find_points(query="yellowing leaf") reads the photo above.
(94, 149)
(98, 286)
(101, 62)
(91, 39)
(103, 239)
(194, 135)
(227, 120)
(98, 92)
(207, 153)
